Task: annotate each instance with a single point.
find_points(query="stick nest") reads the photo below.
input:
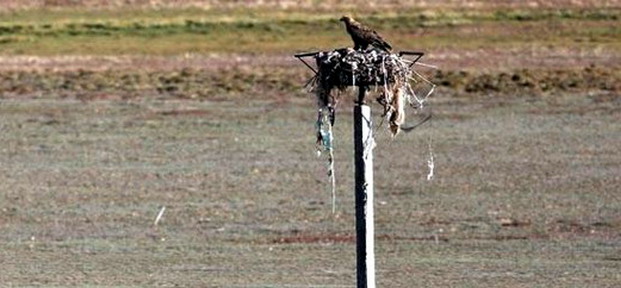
(346, 67)
(342, 68)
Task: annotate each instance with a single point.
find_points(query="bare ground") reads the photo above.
(445, 59)
(525, 194)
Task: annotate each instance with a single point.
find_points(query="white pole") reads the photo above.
(363, 160)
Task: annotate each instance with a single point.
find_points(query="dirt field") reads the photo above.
(173, 110)
(525, 193)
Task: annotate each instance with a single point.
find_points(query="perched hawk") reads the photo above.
(364, 36)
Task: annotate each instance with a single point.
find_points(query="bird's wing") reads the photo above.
(373, 37)
(379, 42)
(358, 31)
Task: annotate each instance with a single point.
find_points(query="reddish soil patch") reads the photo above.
(189, 112)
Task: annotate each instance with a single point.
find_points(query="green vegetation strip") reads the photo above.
(84, 32)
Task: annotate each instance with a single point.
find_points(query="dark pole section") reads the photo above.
(361, 200)
(365, 256)
(362, 91)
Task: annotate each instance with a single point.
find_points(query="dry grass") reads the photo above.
(215, 78)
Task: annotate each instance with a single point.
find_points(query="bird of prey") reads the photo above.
(364, 36)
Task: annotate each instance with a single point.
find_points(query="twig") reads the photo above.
(410, 128)
(427, 65)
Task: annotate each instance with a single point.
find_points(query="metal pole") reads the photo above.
(363, 160)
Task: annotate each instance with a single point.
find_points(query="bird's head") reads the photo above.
(346, 19)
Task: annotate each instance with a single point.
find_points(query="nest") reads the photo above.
(346, 67)
(342, 68)
(339, 69)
